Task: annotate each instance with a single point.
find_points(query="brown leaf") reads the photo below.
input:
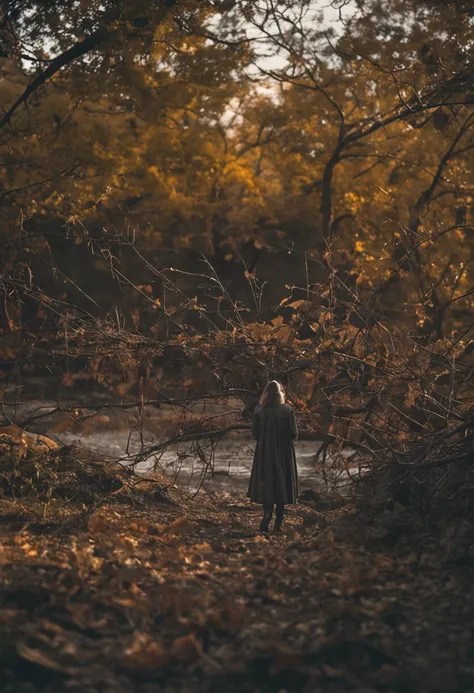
(180, 526)
(186, 649)
(45, 442)
(140, 525)
(300, 304)
(204, 547)
(97, 523)
(232, 616)
(287, 661)
(260, 539)
(40, 658)
(63, 426)
(145, 654)
(67, 380)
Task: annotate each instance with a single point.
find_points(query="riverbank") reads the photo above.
(131, 585)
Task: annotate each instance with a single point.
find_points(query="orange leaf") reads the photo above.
(300, 304)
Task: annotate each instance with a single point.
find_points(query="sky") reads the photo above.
(331, 19)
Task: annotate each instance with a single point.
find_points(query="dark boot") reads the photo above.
(280, 511)
(266, 519)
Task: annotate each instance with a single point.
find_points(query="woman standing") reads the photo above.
(274, 478)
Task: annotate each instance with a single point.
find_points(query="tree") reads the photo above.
(337, 148)
(364, 83)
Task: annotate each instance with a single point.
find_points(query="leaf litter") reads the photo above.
(140, 590)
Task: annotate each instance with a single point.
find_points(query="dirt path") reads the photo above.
(189, 597)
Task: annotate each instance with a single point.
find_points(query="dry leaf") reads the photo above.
(187, 648)
(203, 548)
(259, 539)
(139, 526)
(63, 426)
(44, 441)
(180, 526)
(231, 617)
(97, 523)
(300, 304)
(286, 661)
(144, 654)
(38, 657)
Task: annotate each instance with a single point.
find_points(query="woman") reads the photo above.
(274, 478)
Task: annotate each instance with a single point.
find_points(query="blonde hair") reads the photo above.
(272, 394)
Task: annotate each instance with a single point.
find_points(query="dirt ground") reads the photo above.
(149, 591)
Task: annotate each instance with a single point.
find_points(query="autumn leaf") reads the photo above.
(67, 380)
(63, 425)
(96, 523)
(180, 526)
(300, 304)
(186, 649)
(41, 659)
(144, 654)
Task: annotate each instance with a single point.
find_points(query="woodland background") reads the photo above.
(198, 196)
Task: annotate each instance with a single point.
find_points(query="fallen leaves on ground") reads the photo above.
(146, 596)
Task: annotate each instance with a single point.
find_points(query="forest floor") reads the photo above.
(147, 590)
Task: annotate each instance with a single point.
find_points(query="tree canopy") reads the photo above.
(204, 173)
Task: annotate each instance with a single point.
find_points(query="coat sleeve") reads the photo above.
(255, 426)
(293, 424)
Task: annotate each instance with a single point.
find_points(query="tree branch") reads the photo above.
(77, 51)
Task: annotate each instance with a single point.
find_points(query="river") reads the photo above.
(122, 433)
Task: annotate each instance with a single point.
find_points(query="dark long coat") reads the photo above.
(274, 477)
